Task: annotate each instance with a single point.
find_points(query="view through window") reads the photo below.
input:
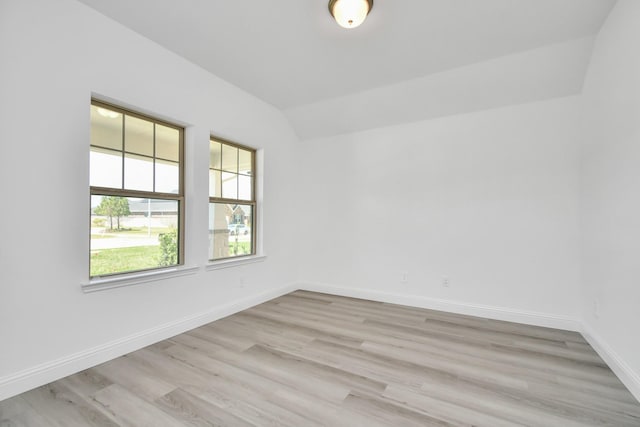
(137, 200)
(232, 204)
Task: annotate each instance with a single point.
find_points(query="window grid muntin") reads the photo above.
(221, 169)
(237, 201)
(124, 112)
(113, 191)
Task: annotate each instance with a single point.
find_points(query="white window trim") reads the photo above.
(104, 283)
(234, 262)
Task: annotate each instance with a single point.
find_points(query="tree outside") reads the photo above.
(113, 207)
(144, 234)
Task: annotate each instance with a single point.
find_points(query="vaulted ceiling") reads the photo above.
(410, 60)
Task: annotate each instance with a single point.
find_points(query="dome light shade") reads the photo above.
(350, 13)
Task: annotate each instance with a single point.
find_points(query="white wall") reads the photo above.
(551, 71)
(53, 56)
(611, 191)
(488, 199)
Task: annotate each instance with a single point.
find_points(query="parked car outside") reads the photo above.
(237, 229)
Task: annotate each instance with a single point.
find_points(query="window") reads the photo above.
(232, 202)
(137, 194)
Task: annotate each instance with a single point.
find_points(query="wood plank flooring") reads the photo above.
(309, 359)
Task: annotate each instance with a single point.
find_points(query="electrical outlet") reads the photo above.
(404, 277)
(596, 309)
(445, 282)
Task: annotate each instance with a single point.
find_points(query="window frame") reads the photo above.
(122, 192)
(253, 202)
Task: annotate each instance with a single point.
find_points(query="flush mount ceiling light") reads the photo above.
(350, 13)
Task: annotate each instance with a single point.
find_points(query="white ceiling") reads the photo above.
(290, 53)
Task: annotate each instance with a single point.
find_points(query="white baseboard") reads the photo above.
(36, 376)
(623, 371)
(489, 312)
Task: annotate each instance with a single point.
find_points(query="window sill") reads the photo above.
(234, 262)
(101, 284)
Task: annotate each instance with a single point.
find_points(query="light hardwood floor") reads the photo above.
(309, 359)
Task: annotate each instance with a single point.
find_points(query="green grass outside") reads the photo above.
(239, 248)
(109, 261)
(119, 260)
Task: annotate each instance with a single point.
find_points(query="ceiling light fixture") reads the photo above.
(350, 13)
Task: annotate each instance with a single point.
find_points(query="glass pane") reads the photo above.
(138, 136)
(106, 128)
(230, 230)
(244, 163)
(215, 184)
(244, 188)
(138, 173)
(229, 185)
(105, 168)
(167, 177)
(130, 234)
(215, 154)
(167, 143)
(229, 158)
